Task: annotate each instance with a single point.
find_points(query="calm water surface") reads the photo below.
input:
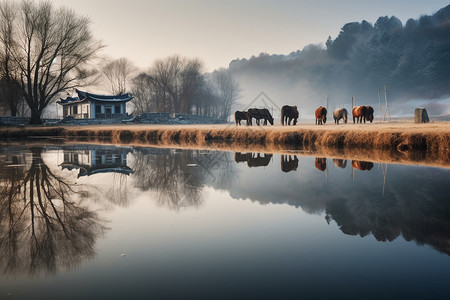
(88, 221)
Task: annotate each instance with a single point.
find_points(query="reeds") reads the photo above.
(428, 145)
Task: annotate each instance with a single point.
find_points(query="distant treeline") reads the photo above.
(413, 60)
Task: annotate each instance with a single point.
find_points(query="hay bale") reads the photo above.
(421, 115)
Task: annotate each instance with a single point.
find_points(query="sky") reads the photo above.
(220, 31)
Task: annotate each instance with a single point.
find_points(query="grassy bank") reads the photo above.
(394, 142)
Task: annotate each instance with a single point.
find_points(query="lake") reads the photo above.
(100, 221)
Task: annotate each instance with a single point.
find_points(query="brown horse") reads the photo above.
(362, 165)
(240, 115)
(369, 113)
(359, 114)
(259, 114)
(340, 113)
(321, 115)
(289, 113)
(321, 163)
(288, 163)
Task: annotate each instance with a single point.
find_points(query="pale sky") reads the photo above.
(220, 31)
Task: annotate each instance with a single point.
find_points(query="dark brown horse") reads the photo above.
(240, 115)
(359, 114)
(340, 113)
(362, 165)
(288, 163)
(321, 163)
(289, 113)
(341, 163)
(321, 115)
(259, 114)
(369, 113)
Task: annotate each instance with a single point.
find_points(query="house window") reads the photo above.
(98, 109)
(75, 109)
(117, 109)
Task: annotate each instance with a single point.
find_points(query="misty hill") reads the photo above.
(412, 60)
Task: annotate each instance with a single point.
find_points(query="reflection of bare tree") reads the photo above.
(169, 175)
(43, 225)
(118, 191)
(179, 177)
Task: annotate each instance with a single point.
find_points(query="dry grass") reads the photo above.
(407, 143)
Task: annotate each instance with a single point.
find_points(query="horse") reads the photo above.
(340, 113)
(321, 115)
(240, 115)
(288, 163)
(362, 165)
(341, 163)
(321, 163)
(289, 113)
(259, 114)
(359, 114)
(369, 113)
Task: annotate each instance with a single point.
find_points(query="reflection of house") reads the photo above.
(90, 106)
(93, 161)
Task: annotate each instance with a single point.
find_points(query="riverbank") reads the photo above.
(427, 144)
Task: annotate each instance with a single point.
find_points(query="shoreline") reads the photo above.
(406, 143)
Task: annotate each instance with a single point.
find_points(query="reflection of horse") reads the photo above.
(288, 163)
(341, 163)
(258, 160)
(289, 113)
(240, 115)
(259, 114)
(321, 115)
(369, 113)
(321, 163)
(359, 114)
(253, 159)
(340, 113)
(240, 157)
(362, 165)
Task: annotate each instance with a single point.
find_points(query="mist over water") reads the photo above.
(412, 60)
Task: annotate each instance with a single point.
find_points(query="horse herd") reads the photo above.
(290, 114)
(290, 162)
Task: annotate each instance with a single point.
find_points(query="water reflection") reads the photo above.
(179, 176)
(340, 163)
(362, 165)
(253, 159)
(91, 160)
(289, 163)
(320, 163)
(44, 224)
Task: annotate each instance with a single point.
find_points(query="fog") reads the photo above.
(412, 60)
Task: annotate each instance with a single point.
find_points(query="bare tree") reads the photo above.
(228, 91)
(11, 94)
(172, 85)
(119, 72)
(49, 49)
